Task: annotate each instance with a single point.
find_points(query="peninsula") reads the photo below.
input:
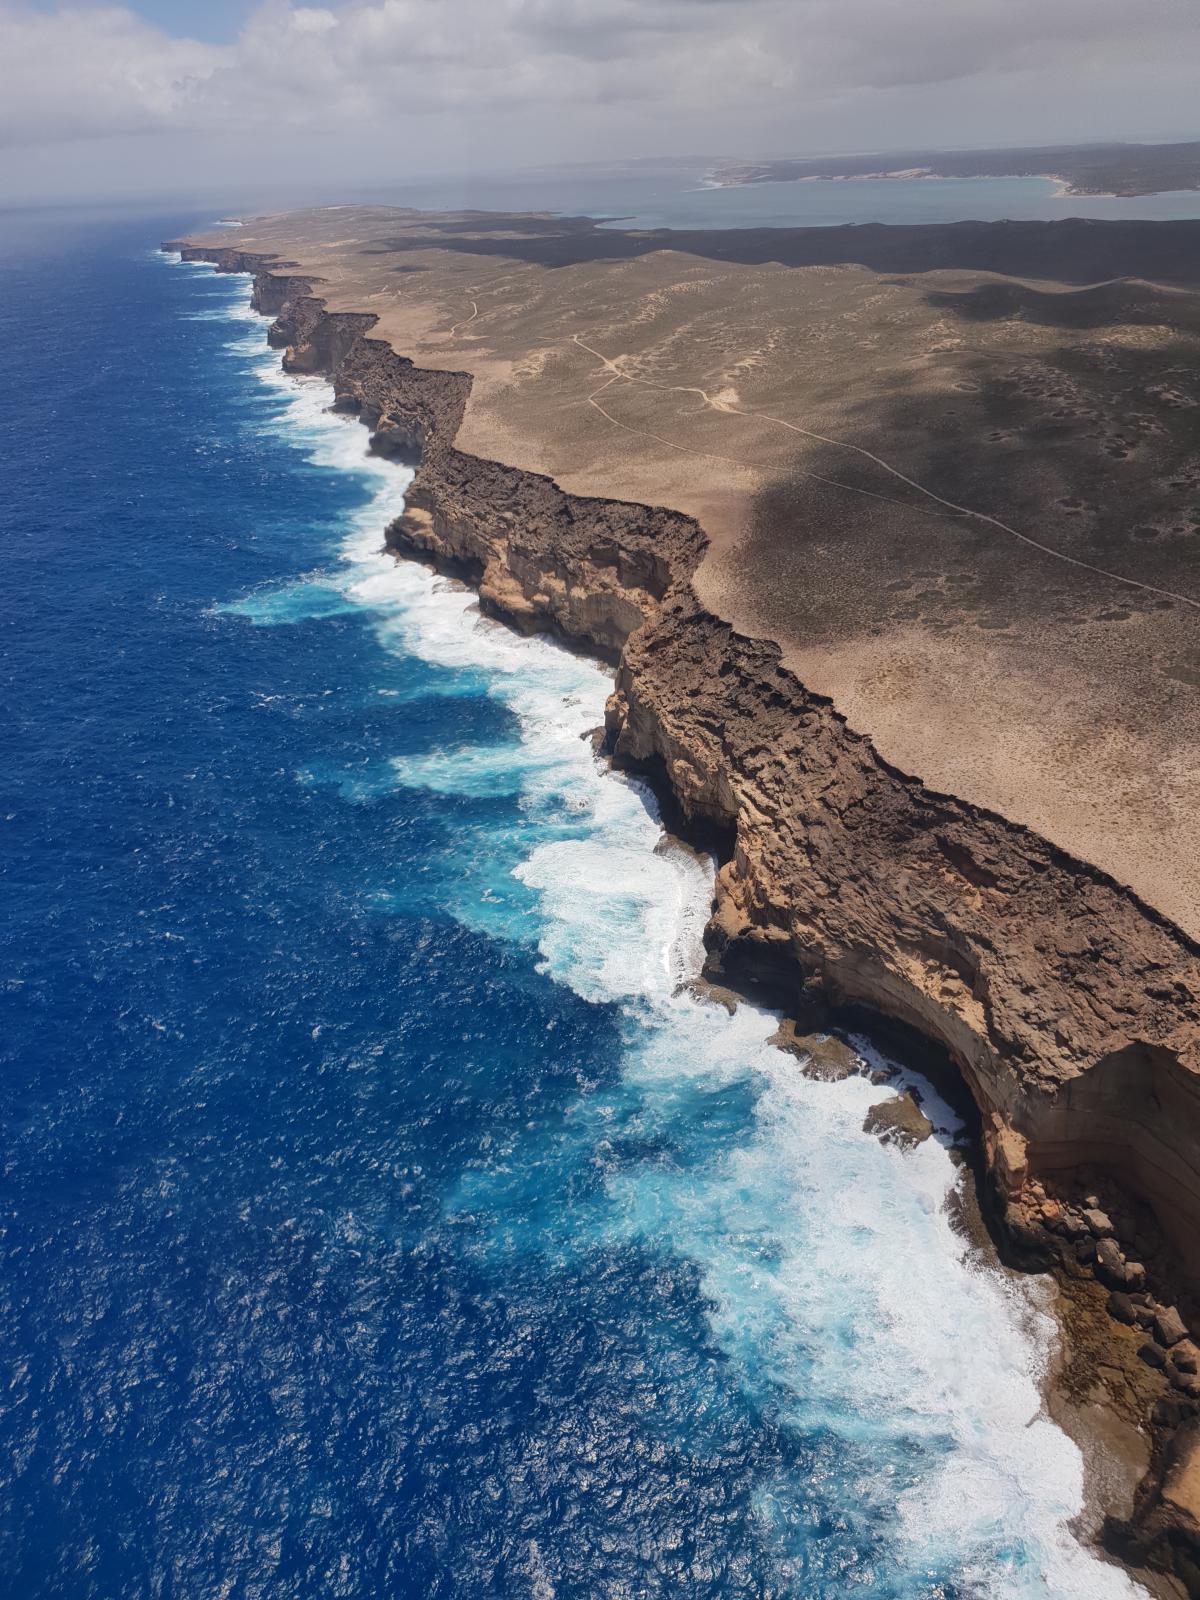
(1095, 169)
(891, 535)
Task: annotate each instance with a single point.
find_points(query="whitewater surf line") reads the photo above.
(834, 1282)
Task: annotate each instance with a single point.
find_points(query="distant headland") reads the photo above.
(1090, 169)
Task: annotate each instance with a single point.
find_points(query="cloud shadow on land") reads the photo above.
(1088, 448)
(1074, 250)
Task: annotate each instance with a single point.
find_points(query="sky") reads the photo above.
(224, 100)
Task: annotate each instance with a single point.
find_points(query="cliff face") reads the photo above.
(1071, 1008)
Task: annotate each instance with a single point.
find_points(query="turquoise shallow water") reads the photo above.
(681, 197)
(381, 1213)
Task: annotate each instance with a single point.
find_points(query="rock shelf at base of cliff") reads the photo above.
(1070, 1007)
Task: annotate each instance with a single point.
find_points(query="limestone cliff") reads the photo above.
(1071, 1008)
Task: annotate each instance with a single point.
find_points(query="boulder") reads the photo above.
(1110, 1263)
(1186, 1356)
(900, 1121)
(1052, 1215)
(1153, 1355)
(1135, 1275)
(1007, 1154)
(1122, 1308)
(1169, 1327)
(822, 1055)
(1098, 1222)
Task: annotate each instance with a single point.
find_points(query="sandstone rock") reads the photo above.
(1052, 1215)
(1073, 1224)
(1026, 1234)
(1098, 1222)
(1186, 1356)
(824, 1056)
(1153, 1355)
(1181, 1485)
(1169, 1327)
(1145, 1316)
(1113, 1269)
(1122, 1308)
(1110, 1263)
(727, 999)
(1007, 1153)
(900, 1121)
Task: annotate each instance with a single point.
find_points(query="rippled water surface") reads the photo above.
(381, 1216)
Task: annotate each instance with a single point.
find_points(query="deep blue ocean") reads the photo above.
(381, 1214)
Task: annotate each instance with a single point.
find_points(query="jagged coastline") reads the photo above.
(1070, 1007)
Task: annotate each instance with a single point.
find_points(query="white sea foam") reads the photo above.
(835, 1281)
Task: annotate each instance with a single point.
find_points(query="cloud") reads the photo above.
(901, 44)
(522, 79)
(307, 19)
(92, 71)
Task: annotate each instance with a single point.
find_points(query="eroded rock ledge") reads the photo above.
(1071, 1008)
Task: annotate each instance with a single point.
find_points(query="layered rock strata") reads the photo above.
(1071, 1008)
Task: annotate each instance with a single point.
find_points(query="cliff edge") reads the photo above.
(1070, 1006)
